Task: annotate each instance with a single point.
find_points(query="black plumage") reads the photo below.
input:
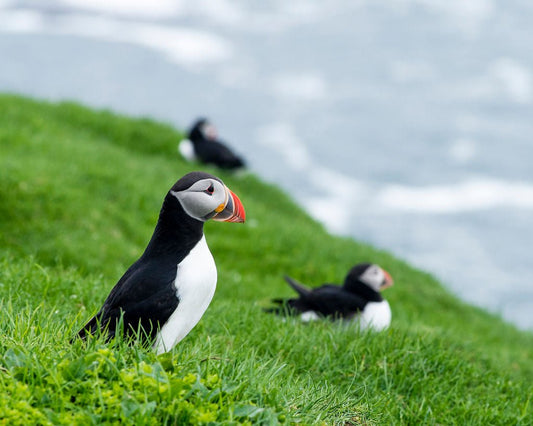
(211, 150)
(145, 295)
(176, 262)
(330, 300)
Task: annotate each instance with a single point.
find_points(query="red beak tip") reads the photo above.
(240, 213)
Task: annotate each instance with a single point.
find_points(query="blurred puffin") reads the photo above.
(167, 290)
(359, 299)
(203, 145)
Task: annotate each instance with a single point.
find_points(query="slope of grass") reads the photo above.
(79, 195)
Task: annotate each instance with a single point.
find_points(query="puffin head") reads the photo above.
(204, 196)
(370, 275)
(203, 129)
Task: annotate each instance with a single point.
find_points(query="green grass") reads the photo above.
(80, 192)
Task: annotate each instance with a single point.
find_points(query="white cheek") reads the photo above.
(373, 279)
(219, 198)
(195, 204)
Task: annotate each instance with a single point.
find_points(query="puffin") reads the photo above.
(163, 295)
(203, 145)
(358, 299)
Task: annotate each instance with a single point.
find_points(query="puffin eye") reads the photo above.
(210, 190)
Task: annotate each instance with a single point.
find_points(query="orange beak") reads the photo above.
(388, 281)
(233, 211)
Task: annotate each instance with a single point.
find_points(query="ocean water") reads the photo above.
(405, 123)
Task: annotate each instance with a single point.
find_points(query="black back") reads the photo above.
(213, 151)
(330, 300)
(145, 295)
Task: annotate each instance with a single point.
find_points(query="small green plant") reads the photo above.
(106, 386)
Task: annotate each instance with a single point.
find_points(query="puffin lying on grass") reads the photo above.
(358, 299)
(165, 292)
(203, 145)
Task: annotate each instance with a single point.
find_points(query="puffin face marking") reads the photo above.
(209, 198)
(376, 278)
(233, 210)
(209, 131)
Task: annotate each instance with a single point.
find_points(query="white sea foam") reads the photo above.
(331, 211)
(340, 198)
(337, 194)
(473, 194)
(183, 46)
(282, 138)
(277, 16)
(217, 11)
(21, 21)
(334, 182)
(137, 8)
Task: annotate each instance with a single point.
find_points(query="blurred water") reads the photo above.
(403, 123)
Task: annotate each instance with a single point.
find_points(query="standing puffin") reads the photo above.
(204, 146)
(358, 298)
(167, 290)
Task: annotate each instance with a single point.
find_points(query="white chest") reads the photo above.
(195, 285)
(186, 149)
(376, 316)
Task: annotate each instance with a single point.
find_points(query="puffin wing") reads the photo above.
(332, 301)
(217, 153)
(140, 302)
(293, 306)
(328, 300)
(307, 300)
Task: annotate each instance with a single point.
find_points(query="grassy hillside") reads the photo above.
(80, 192)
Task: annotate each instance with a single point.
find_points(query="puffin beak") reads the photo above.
(233, 211)
(387, 282)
